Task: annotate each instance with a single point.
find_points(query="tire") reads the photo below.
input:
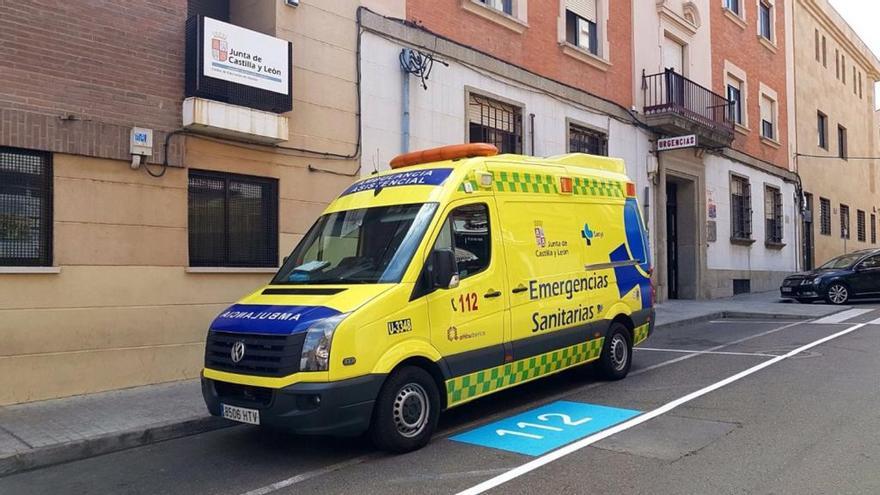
(406, 411)
(617, 353)
(837, 294)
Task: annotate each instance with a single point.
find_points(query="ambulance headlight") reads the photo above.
(316, 348)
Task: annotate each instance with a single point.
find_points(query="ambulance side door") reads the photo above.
(467, 321)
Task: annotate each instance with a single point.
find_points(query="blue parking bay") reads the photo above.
(546, 428)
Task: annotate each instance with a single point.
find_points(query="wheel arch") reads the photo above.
(433, 369)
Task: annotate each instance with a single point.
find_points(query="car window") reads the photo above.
(871, 262)
(466, 230)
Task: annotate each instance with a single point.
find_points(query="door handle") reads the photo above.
(521, 288)
(492, 293)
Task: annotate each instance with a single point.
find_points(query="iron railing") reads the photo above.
(670, 92)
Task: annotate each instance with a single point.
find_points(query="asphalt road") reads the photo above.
(708, 422)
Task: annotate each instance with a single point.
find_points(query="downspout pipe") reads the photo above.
(404, 116)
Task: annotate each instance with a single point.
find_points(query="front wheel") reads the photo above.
(406, 411)
(616, 353)
(837, 294)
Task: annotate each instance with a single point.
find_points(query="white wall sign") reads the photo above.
(242, 56)
(677, 142)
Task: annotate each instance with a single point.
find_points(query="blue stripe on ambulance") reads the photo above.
(267, 319)
(630, 276)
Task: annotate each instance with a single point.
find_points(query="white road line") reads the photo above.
(842, 316)
(306, 476)
(669, 406)
(719, 353)
(874, 322)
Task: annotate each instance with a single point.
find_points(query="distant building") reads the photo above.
(836, 139)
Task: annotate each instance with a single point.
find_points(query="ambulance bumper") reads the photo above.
(342, 408)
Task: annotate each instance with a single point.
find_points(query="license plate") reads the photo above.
(786, 289)
(241, 414)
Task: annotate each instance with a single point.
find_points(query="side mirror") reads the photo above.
(444, 269)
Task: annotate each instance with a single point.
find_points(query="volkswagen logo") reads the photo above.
(237, 353)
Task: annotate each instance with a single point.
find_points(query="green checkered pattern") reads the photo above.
(640, 334)
(525, 182)
(464, 388)
(585, 186)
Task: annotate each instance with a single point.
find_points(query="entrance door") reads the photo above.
(467, 322)
(809, 245)
(672, 240)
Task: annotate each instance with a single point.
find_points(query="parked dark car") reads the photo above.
(850, 276)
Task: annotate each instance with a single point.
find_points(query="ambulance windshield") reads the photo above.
(364, 246)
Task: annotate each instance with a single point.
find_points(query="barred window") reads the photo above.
(844, 222)
(773, 215)
(860, 225)
(824, 216)
(494, 122)
(233, 220)
(25, 207)
(740, 208)
(873, 228)
(584, 140)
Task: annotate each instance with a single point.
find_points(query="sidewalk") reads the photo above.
(50, 432)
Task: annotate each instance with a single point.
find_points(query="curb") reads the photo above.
(745, 315)
(105, 444)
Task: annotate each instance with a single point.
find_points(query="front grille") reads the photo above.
(265, 355)
(792, 282)
(243, 393)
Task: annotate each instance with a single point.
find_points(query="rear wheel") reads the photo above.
(837, 294)
(616, 356)
(406, 411)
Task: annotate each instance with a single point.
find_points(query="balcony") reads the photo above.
(675, 106)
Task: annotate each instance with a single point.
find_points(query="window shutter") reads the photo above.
(583, 8)
(766, 109)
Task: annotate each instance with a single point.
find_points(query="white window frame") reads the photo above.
(772, 40)
(602, 58)
(517, 22)
(735, 76)
(770, 94)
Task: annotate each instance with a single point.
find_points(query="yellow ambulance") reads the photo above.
(455, 274)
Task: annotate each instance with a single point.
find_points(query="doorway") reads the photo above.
(672, 240)
(809, 242)
(681, 238)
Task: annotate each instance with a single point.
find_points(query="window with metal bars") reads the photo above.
(25, 207)
(860, 225)
(584, 140)
(773, 215)
(873, 228)
(233, 220)
(495, 122)
(844, 222)
(740, 208)
(824, 216)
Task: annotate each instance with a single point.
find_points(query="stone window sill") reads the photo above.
(741, 242)
(29, 270)
(774, 245)
(771, 142)
(736, 18)
(494, 15)
(742, 129)
(768, 44)
(584, 56)
(222, 269)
